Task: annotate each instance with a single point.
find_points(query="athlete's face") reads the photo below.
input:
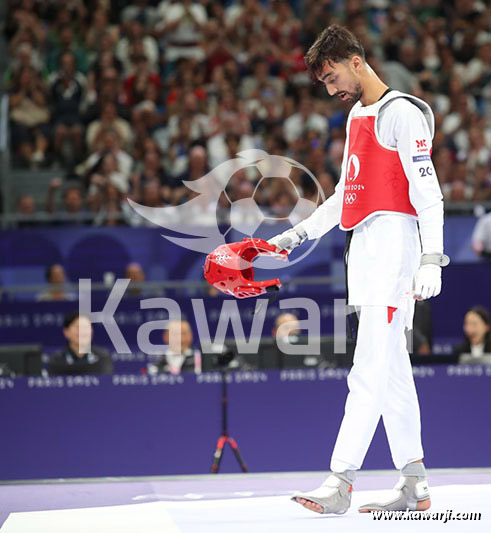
(342, 79)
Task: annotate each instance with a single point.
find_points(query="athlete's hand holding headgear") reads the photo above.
(289, 239)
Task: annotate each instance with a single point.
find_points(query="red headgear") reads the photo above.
(229, 268)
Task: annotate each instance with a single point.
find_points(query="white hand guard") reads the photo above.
(428, 281)
(289, 239)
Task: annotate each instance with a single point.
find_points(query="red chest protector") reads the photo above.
(375, 179)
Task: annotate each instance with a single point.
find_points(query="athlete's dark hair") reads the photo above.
(334, 45)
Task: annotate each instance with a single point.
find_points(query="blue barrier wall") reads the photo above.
(464, 285)
(89, 252)
(139, 425)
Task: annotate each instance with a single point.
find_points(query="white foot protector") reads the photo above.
(334, 495)
(410, 490)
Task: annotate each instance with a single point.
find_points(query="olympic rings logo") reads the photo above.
(350, 198)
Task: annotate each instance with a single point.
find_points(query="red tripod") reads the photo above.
(224, 437)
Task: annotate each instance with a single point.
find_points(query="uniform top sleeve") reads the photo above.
(402, 125)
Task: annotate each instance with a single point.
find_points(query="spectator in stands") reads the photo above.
(394, 74)
(151, 196)
(482, 183)
(141, 11)
(111, 208)
(26, 205)
(108, 120)
(95, 200)
(147, 116)
(252, 86)
(232, 127)
(189, 106)
(104, 85)
(182, 23)
(478, 70)
(67, 91)
(21, 57)
(136, 84)
(232, 78)
(231, 116)
(180, 356)
(136, 43)
(72, 199)
(197, 168)
(477, 334)
(25, 27)
(29, 116)
(306, 119)
(481, 237)
(106, 173)
(152, 171)
(56, 277)
(326, 181)
(458, 190)
(177, 156)
(99, 30)
(134, 272)
(79, 356)
(111, 143)
(67, 44)
(282, 206)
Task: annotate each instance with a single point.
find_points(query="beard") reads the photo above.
(355, 93)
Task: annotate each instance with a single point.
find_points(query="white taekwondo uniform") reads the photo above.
(383, 190)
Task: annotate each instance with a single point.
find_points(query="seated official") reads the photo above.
(477, 334)
(79, 357)
(286, 328)
(286, 333)
(180, 356)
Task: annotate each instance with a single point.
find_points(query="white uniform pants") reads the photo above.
(380, 384)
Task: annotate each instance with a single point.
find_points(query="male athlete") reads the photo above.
(387, 187)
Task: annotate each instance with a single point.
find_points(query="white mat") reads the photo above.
(138, 518)
(254, 515)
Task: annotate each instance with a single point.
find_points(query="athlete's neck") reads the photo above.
(373, 88)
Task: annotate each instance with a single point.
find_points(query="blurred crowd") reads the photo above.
(128, 99)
